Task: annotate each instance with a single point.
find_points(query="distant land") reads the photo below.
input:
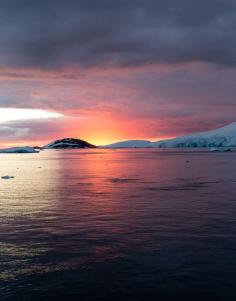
(69, 143)
(223, 137)
(129, 144)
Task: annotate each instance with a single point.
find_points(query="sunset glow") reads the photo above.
(117, 150)
(139, 80)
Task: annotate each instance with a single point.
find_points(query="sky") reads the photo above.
(111, 70)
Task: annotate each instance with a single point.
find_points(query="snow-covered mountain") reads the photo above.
(69, 143)
(222, 137)
(130, 144)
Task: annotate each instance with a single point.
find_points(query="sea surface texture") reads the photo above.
(127, 225)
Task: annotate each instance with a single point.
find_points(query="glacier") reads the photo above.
(222, 137)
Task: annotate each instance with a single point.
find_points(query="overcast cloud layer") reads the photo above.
(60, 33)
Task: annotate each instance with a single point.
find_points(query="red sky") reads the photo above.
(107, 105)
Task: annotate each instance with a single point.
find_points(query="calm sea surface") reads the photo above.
(118, 225)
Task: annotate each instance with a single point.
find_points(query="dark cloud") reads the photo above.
(97, 33)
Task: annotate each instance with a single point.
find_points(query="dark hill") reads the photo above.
(69, 143)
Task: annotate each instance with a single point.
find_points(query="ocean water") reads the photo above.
(141, 224)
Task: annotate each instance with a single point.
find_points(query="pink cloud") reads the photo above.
(105, 105)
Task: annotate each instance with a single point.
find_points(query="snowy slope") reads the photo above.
(130, 144)
(222, 137)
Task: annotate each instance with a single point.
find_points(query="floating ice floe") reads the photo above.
(221, 150)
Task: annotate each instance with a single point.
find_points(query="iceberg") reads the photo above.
(19, 150)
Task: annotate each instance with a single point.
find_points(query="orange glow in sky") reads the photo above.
(103, 106)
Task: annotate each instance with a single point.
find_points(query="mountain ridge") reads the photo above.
(222, 137)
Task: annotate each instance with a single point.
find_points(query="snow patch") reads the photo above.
(69, 143)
